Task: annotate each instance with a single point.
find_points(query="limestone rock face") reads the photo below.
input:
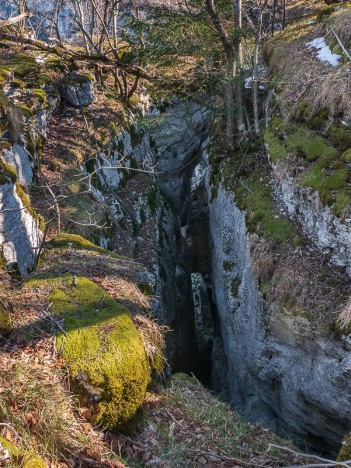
(79, 91)
(280, 371)
(330, 234)
(20, 235)
(18, 158)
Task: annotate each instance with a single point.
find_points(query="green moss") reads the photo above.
(345, 451)
(274, 140)
(25, 111)
(78, 242)
(18, 83)
(7, 173)
(146, 288)
(228, 266)
(182, 377)
(20, 457)
(5, 322)
(261, 215)
(75, 241)
(79, 78)
(55, 64)
(43, 79)
(41, 94)
(283, 140)
(337, 50)
(307, 144)
(22, 65)
(5, 76)
(234, 288)
(136, 135)
(323, 14)
(327, 177)
(25, 200)
(342, 204)
(340, 137)
(152, 199)
(346, 155)
(102, 348)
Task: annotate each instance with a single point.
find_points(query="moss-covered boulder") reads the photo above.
(75, 241)
(14, 456)
(345, 451)
(5, 321)
(103, 349)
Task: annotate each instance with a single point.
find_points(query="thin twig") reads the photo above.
(305, 455)
(179, 424)
(14, 430)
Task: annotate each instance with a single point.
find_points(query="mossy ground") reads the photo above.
(250, 183)
(75, 241)
(345, 451)
(102, 349)
(325, 170)
(194, 428)
(5, 322)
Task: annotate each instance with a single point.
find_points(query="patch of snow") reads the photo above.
(324, 53)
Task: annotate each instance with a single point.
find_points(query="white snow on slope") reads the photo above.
(324, 53)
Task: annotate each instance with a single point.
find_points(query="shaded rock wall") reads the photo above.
(280, 371)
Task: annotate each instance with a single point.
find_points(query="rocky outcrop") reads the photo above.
(329, 233)
(280, 371)
(20, 234)
(78, 90)
(20, 228)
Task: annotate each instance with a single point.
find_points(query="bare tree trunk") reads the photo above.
(284, 14)
(255, 83)
(274, 10)
(230, 95)
(82, 24)
(115, 25)
(238, 23)
(231, 68)
(22, 7)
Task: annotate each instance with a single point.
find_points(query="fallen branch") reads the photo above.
(15, 19)
(179, 424)
(326, 461)
(219, 457)
(73, 56)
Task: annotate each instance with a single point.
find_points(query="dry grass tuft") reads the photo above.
(342, 27)
(344, 319)
(153, 337)
(262, 257)
(334, 92)
(35, 405)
